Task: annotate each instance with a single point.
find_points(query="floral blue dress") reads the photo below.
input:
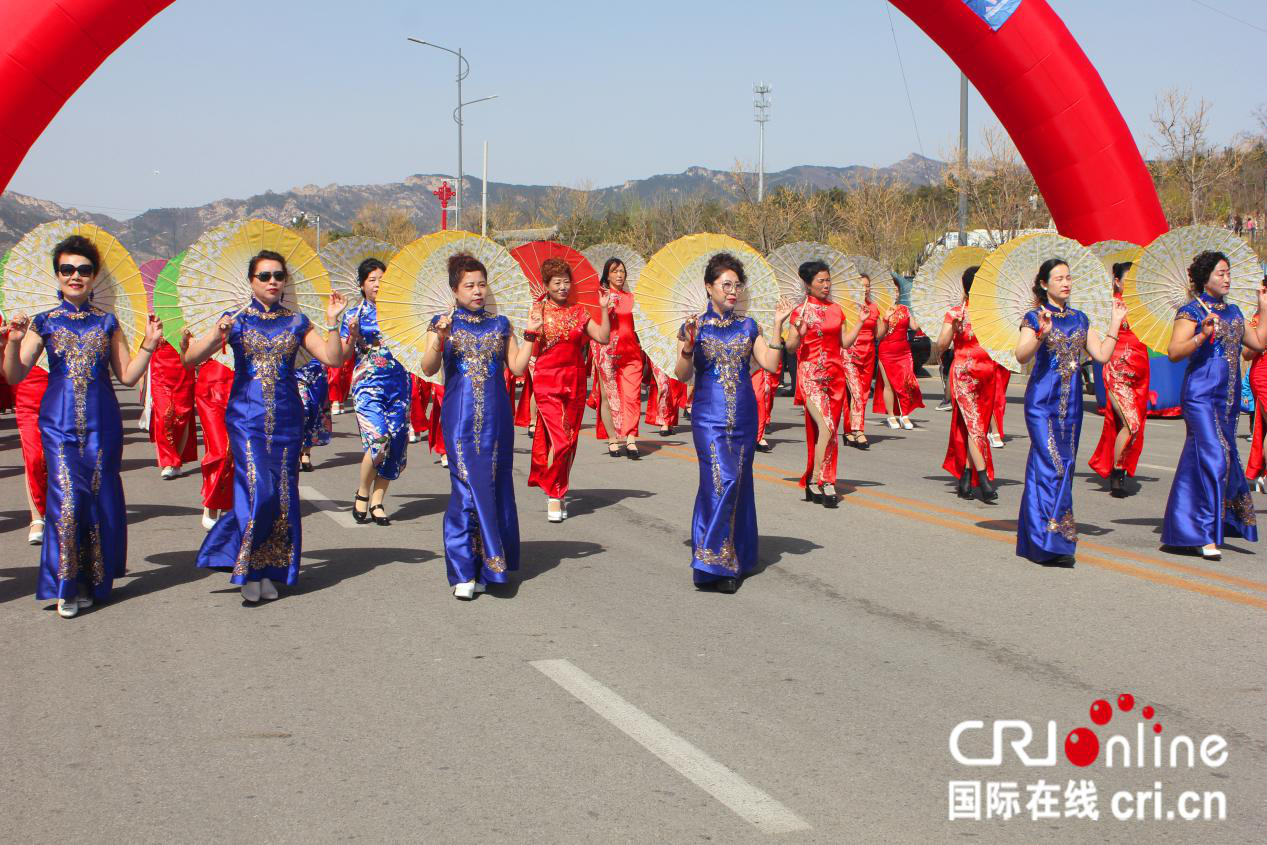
(381, 391)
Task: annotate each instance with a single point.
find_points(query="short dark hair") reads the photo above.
(1044, 275)
(720, 263)
(1121, 268)
(552, 267)
(77, 245)
(608, 266)
(968, 276)
(461, 263)
(1202, 267)
(265, 255)
(366, 267)
(810, 269)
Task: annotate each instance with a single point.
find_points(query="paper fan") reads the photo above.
(1157, 284)
(787, 260)
(938, 285)
(585, 289)
(1103, 249)
(149, 272)
(167, 300)
(213, 275)
(30, 285)
(598, 254)
(883, 289)
(342, 257)
(1003, 291)
(415, 288)
(671, 289)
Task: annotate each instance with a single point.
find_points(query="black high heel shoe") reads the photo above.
(832, 499)
(812, 495)
(985, 490)
(965, 485)
(615, 450)
(361, 516)
(1117, 484)
(305, 463)
(379, 520)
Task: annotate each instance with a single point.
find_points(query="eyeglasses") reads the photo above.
(279, 275)
(732, 287)
(69, 270)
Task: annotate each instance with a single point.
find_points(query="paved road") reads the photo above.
(600, 698)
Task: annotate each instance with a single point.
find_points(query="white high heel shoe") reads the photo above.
(268, 590)
(1211, 552)
(554, 510)
(465, 591)
(67, 608)
(251, 591)
(907, 424)
(891, 422)
(35, 536)
(209, 518)
(169, 473)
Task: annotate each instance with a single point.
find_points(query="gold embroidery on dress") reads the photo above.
(558, 323)
(267, 354)
(276, 313)
(494, 563)
(276, 551)
(1120, 380)
(605, 362)
(715, 462)
(81, 354)
(97, 567)
(477, 355)
(1064, 350)
(243, 562)
(67, 527)
(963, 386)
(460, 461)
(1066, 526)
(1242, 508)
(729, 359)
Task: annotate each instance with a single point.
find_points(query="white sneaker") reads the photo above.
(67, 608)
(996, 442)
(169, 473)
(465, 592)
(268, 590)
(209, 518)
(35, 536)
(554, 510)
(251, 591)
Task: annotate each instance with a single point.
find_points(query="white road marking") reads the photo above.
(334, 510)
(744, 799)
(1155, 466)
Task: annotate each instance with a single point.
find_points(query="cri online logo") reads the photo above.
(1082, 745)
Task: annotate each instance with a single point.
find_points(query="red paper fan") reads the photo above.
(585, 287)
(149, 272)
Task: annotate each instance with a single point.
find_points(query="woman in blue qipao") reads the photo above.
(718, 348)
(481, 525)
(85, 546)
(1210, 498)
(381, 391)
(314, 389)
(1054, 336)
(259, 541)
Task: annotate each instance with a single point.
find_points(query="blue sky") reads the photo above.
(225, 98)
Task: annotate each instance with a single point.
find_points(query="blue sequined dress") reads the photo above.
(381, 391)
(314, 387)
(86, 538)
(260, 537)
(481, 525)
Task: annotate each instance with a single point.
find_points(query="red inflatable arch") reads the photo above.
(1031, 71)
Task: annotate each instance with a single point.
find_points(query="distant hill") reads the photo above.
(166, 231)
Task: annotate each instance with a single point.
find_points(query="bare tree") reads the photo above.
(1002, 193)
(379, 221)
(1182, 131)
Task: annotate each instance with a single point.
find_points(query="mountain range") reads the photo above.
(163, 232)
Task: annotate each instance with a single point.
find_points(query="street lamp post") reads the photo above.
(464, 70)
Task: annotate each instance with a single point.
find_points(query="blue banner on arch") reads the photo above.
(993, 12)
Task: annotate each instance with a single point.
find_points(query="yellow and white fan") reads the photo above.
(883, 288)
(213, 278)
(1104, 249)
(938, 285)
(1157, 284)
(598, 255)
(30, 285)
(787, 260)
(671, 289)
(343, 256)
(415, 288)
(1003, 291)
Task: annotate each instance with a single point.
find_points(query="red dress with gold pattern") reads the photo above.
(618, 371)
(899, 368)
(558, 385)
(172, 408)
(972, 375)
(1258, 386)
(820, 380)
(665, 399)
(1126, 381)
(860, 369)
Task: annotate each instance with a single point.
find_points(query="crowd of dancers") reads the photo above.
(261, 419)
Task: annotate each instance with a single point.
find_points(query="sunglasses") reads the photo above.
(279, 275)
(68, 270)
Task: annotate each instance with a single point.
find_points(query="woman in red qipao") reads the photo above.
(972, 398)
(618, 369)
(340, 379)
(900, 393)
(820, 338)
(27, 397)
(860, 368)
(665, 400)
(559, 382)
(419, 398)
(1126, 389)
(212, 383)
(764, 384)
(1254, 467)
(171, 427)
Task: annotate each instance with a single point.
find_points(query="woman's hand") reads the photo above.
(1119, 314)
(18, 326)
(185, 337)
(782, 310)
(444, 325)
(335, 307)
(605, 300)
(1044, 321)
(688, 333)
(535, 320)
(1209, 326)
(153, 333)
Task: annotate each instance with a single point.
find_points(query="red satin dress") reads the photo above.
(172, 408)
(860, 369)
(618, 372)
(435, 433)
(340, 379)
(972, 389)
(419, 396)
(764, 384)
(1258, 386)
(27, 397)
(1126, 380)
(899, 367)
(559, 388)
(665, 399)
(213, 382)
(1002, 378)
(821, 379)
